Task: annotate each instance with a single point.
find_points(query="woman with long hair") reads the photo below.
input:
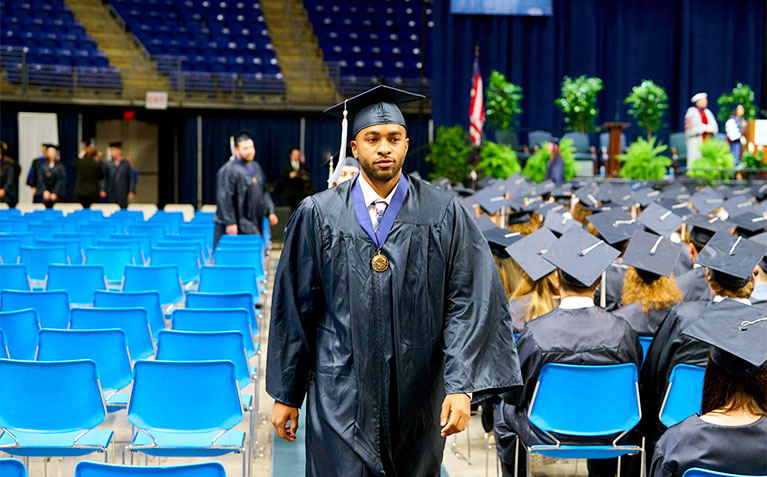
(730, 433)
(89, 175)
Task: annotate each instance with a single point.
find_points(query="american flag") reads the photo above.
(477, 106)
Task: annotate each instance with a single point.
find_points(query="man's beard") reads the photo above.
(381, 176)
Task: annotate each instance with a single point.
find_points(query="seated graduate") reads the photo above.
(498, 239)
(730, 433)
(576, 332)
(759, 295)
(693, 284)
(649, 291)
(730, 263)
(537, 292)
(615, 227)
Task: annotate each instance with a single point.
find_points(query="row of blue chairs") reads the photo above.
(15, 468)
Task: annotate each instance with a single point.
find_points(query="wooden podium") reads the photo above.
(613, 166)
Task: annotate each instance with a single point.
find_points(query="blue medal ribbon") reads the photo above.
(363, 218)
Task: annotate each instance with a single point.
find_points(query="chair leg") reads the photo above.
(243, 461)
(619, 466)
(468, 441)
(527, 461)
(516, 457)
(642, 455)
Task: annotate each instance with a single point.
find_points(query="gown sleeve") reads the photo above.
(296, 303)
(224, 192)
(60, 188)
(131, 180)
(658, 467)
(652, 382)
(479, 349)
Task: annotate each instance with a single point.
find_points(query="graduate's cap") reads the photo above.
(350, 160)
(737, 333)
(659, 219)
(750, 224)
(528, 253)
(562, 191)
(614, 226)
(491, 200)
(442, 183)
(697, 97)
(485, 182)
(544, 207)
(731, 259)
(379, 105)
(621, 196)
(646, 195)
(588, 196)
(484, 222)
(707, 200)
(759, 191)
(679, 208)
(554, 140)
(761, 239)
(560, 221)
(652, 255)
(462, 191)
(703, 227)
(738, 204)
(47, 145)
(499, 239)
(581, 257)
(242, 135)
(91, 142)
(117, 144)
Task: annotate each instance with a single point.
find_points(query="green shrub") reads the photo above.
(502, 100)
(535, 168)
(741, 93)
(714, 154)
(578, 102)
(649, 102)
(449, 154)
(643, 161)
(498, 160)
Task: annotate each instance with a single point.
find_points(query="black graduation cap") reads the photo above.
(55, 146)
(484, 222)
(242, 135)
(562, 191)
(581, 257)
(761, 239)
(588, 196)
(707, 201)
(750, 224)
(621, 195)
(379, 105)
(462, 191)
(737, 334)
(738, 204)
(614, 226)
(485, 181)
(490, 200)
(724, 190)
(759, 191)
(703, 227)
(731, 259)
(442, 183)
(679, 208)
(646, 195)
(560, 221)
(528, 253)
(659, 219)
(350, 160)
(499, 239)
(652, 255)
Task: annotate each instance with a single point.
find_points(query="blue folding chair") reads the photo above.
(585, 401)
(251, 256)
(149, 300)
(94, 469)
(108, 348)
(37, 260)
(86, 240)
(231, 319)
(201, 217)
(4, 354)
(645, 342)
(100, 230)
(46, 229)
(12, 468)
(266, 228)
(165, 280)
(227, 241)
(91, 215)
(10, 250)
(698, 472)
(72, 247)
(229, 279)
(113, 259)
(206, 230)
(155, 230)
(10, 213)
(133, 321)
(79, 281)
(173, 219)
(14, 277)
(126, 215)
(134, 246)
(187, 259)
(199, 425)
(20, 328)
(224, 300)
(196, 241)
(143, 241)
(52, 306)
(51, 409)
(683, 394)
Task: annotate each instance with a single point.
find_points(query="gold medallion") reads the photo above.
(255, 180)
(380, 262)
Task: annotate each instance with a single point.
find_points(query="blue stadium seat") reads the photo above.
(148, 300)
(228, 319)
(79, 281)
(165, 280)
(229, 279)
(113, 259)
(13, 277)
(698, 472)
(4, 353)
(94, 469)
(12, 467)
(72, 246)
(187, 259)
(224, 300)
(37, 260)
(10, 249)
(251, 256)
(52, 307)
(20, 329)
(683, 395)
(133, 321)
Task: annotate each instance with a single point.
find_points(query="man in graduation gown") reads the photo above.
(9, 177)
(119, 183)
(385, 314)
(699, 124)
(296, 184)
(242, 200)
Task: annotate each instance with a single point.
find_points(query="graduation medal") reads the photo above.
(380, 262)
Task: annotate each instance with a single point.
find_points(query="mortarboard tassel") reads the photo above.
(342, 151)
(231, 147)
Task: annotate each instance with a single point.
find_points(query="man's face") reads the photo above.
(45, 151)
(115, 153)
(347, 173)
(51, 153)
(381, 150)
(702, 103)
(295, 155)
(740, 111)
(246, 150)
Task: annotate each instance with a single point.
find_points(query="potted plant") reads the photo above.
(502, 107)
(648, 103)
(498, 160)
(742, 94)
(535, 168)
(643, 161)
(714, 154)
(578, 102)
(449, 154)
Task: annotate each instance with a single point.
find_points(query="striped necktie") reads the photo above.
(380, 209)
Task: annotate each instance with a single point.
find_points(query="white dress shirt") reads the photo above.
(576, 302)
(744, 301)
(370, 197)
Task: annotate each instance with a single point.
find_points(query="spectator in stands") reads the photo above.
(351, 167)
(51, 177)
(9, 177)
(555, 168)
(730, 433)
(296, 184)
(734, 128)
(90, 172)
(32, 175)
(118, 185)
(699, 124)
(242, 200)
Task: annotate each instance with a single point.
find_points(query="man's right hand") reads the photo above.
(103, 194)
(231, 229)
(281, 414)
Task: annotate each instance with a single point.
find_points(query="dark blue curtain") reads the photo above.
(685, 46)
(322, 140)
(68, 148)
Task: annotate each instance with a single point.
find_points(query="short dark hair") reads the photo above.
(723, 390)
(566, 283)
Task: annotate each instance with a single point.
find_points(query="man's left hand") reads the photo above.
(273, 220)
(456, 409)
(131, 195)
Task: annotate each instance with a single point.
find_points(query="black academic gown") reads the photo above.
(295, 189)
(684, 264)
(518, 311)
(694, 285)
(241, 196)
(375, 353)
(9, 182)
(53, 179)
(581, 336)
(693, 442)
(644, 323)
(614, 276)
(118, 181)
